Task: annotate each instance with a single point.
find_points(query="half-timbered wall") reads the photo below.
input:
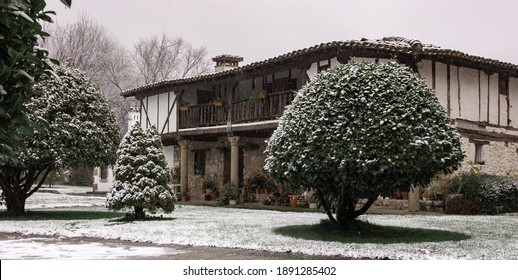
(159, 111)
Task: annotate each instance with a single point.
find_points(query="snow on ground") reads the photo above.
(46, 248)
(492, 237)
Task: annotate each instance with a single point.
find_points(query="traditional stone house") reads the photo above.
(479, 94)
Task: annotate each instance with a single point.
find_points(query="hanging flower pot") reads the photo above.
(218, 103)
(184, 108)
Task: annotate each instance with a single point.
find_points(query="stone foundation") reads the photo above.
(402, 204)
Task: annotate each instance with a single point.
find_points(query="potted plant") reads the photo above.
(313, 202)
(293, 200)
(260, 183)
(184, 105)
(218, 102)
(185, 196)
(258, 95)
(227, 194)
(209, 183)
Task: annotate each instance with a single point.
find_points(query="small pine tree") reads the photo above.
(141, 174)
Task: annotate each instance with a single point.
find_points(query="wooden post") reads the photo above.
(413, 199)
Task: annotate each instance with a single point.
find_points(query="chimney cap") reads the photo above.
(227, 57)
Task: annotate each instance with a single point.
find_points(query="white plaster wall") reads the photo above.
(441, 84)
(513, 97)
(163, 109)
(334, 62)
(484, 79)
(426, 72)
(469, 95)
(312, 71)
(151, 105)
(454, 97)
(493, 99)
(169, 156)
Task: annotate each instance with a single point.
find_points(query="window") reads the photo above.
(199, 162)
(478, 153)
(323, 65)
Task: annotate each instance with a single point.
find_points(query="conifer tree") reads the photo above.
(142, 179)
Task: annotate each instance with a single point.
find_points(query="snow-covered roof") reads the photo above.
(392, 45)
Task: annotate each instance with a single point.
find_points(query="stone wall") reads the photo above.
(253, 161)
(500, 158)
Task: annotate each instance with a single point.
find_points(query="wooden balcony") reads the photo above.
(243, 111)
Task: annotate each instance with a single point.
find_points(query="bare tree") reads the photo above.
(159, 58)
(87, 46)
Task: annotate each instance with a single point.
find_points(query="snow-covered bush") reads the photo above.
(142, 179)
(486, 193)
(76, 127)
(360, 130)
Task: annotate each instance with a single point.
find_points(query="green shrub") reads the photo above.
(227, 192)
(489, 194)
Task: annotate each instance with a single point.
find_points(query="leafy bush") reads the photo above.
(227, 192)
(489, 194)
(360, 130)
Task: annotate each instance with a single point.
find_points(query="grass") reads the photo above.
(368, 233)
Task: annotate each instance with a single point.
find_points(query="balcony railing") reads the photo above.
(242, 111)
(258, 110)
(203, 115)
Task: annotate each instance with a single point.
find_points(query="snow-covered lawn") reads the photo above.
(492, 237)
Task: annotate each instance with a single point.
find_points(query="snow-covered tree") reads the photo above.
(142, 179)
(360, 130)
(77, 128)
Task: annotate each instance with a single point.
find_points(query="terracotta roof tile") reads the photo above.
(392, 44)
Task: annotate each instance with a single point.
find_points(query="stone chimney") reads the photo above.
(226, 62)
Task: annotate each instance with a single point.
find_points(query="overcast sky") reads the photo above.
(261, 29)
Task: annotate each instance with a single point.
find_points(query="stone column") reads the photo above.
(413, 199)
(184, 151)
(234, 160)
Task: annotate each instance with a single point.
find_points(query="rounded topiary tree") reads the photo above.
(76, 127)
(142, 179)
(360, 130)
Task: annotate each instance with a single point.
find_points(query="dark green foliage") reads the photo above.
(487, 194)
(360, 130)
(227, 192)
(21, 64)
(80, 129)
(142, 179)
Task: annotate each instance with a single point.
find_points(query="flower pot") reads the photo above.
(185, 197)
(313, 205)
(293, 201)
(262, 95)
(184, 108)
(218, 103)
(302, 203)
(404, 195)
(232, 202)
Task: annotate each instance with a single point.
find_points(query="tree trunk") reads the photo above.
(345, 212)
(15, 203)
(139, 213)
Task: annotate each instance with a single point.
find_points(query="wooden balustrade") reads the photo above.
(243, 111)
(203, 115)
(259, 110)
